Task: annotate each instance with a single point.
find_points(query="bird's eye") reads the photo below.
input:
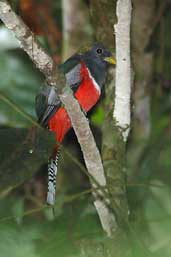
(99, 51)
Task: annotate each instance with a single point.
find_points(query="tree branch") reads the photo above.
(91, 156)
(122, 111)
(114, 153)
(79, 122)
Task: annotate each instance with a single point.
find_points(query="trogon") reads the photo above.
(86, 75)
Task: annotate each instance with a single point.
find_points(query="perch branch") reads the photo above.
(80, 124)
(91, 156)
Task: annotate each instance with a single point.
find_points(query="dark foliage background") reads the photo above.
(27, 226)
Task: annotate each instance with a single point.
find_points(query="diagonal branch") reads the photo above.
(80, 124)
(92, 158)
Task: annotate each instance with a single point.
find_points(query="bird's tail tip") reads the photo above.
(52, 172)
(50, 198)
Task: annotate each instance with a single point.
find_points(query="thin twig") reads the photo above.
(45, 206)
(19, 110)
(33, 122)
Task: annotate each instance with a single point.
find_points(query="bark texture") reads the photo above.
(113, 148)
(142, 26)
(143, 63)
(92, 159)
(122, 112)
(77, 33)
(76, 26)
(103, 17)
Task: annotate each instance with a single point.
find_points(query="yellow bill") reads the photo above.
(110, 60)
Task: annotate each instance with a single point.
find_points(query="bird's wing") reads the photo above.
(47, 103)
(71, 68)
(73, 77)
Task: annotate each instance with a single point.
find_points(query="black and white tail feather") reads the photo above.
(52, 173)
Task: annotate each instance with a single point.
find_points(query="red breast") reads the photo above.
(87, 95)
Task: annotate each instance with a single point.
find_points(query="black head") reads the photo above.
(100, 54)
(97, 60)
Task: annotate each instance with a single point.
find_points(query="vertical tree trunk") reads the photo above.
(76, 29)
(76, 26)
(103, 17)
(122, 107)
(143, 67)
(113, 147)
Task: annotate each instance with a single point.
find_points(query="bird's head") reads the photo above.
(98, 58)
(99, 54)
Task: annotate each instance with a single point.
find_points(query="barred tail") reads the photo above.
(52, 172)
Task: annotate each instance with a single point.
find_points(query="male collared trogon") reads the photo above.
(86, 74)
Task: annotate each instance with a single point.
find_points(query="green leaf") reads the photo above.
(19, 81)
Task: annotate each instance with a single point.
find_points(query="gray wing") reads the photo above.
(73, 77)
(46, 104)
